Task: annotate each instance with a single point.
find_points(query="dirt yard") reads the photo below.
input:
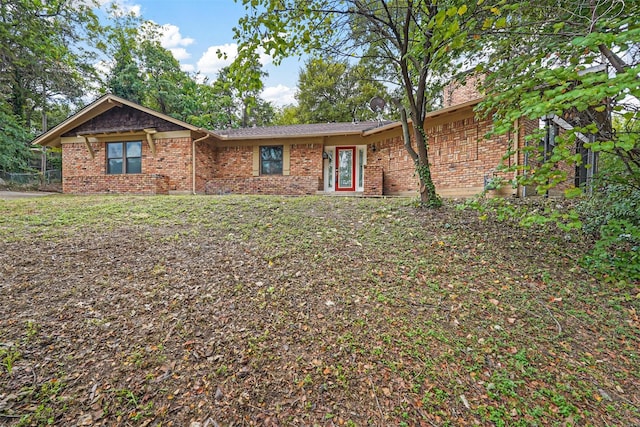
(239, 311)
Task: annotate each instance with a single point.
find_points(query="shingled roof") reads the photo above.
(299, 131)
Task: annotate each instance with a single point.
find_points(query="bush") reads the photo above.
(612, 214)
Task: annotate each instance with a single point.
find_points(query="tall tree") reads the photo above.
(121, 46)
(41, 53)
(417, 39)
(45, 58)
(335, 91)
(240, 104)
(142, 71)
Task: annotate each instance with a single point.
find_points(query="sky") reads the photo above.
(195, 29)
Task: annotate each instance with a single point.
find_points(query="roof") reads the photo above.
(100, 106)
(431, 115)
(300, 131)
(107, 102)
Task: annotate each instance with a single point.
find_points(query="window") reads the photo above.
(271, 160)
(124, 157)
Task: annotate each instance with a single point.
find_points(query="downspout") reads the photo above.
(193, 167)
(193, 162)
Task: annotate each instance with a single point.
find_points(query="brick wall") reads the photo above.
(457, 93)
(459, 155)
(172, 160)
(306, 160)
(117, 184)
(233, 162)
(397, 167)
(277, 184)
(373, 184)
(205, 164)
(233, 172)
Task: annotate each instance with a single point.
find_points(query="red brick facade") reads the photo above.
(117, 184)
(86, 174)
(461, 159)
(398, 170)
(277, 184)
(373, 181)
(233, 162)
(306, 160)
(233, 172)
(457, 93)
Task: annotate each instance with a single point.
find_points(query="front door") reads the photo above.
(345, 168)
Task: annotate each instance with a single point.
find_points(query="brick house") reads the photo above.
(116, 146)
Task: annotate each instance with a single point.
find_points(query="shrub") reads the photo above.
(612, 214)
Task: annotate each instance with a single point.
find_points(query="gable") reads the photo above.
(122, 119)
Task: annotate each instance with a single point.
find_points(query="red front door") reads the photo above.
(345, 168)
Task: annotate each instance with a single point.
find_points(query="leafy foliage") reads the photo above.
(335, 91)
(14, 150)
(43, 52)
(565, 43)
(44, 60)
(612, 214)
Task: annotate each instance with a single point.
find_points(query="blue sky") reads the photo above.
(195, 29)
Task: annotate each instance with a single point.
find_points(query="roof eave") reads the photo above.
(51, 138)
(430, 115)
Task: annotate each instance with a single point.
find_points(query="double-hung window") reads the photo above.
(124, 157)
(271, 160)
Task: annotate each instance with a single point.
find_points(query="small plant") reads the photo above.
(9, 356)
(32, 330)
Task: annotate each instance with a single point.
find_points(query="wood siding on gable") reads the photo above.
(122, 119)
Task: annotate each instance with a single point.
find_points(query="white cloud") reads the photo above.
(279, 95)
(179, 53)
(189, 68)
(210, 64)
(171, 37)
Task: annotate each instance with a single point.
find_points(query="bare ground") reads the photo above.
(210, 311)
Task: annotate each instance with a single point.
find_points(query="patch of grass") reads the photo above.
(308, 310)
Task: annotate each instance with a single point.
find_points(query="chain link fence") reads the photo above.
(32, 178)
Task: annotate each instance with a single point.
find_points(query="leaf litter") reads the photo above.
(235, 310)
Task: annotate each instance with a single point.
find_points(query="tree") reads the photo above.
(125, 76)
(142, 70)
(44, 57)
(287, 115)
(240, 105)
(14, 151)
(335, 91)
(582, 64)
(414, 41)
(165, 82)
(578, 60)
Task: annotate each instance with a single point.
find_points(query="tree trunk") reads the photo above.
(428, 195)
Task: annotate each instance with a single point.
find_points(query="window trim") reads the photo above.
(124, 157)
(262, 173)
(286, 159)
